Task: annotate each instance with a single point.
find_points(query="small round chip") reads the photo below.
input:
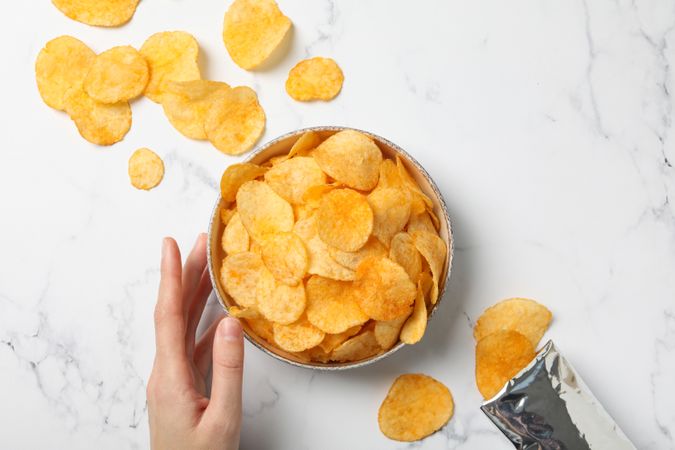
(384, 290)
(118, 74)
(236, 175)
(415, 407)
(359, 347)
(61, 65)
(279, 302)
(525, 316)
(98, 123)
(262, 211)
(236, 121)
(108, 13)
(352, 158)
(404, 253)
(331, 305)
(146, 169)
(235, 236)
(391, 210)
(252, 30)
(285, 256)
(344, 220)
(499, 357)
(240, 274)
(292, 177)
(314, 79)
(297, 336)
(186, 104)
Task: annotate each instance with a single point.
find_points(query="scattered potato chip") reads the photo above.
(285, 256)
(252, 30)
(235, 236)
(171, 56)
(61, 65)
(332, 341)
(344, 220)
(240, 274)
(292, 177)
(297, 336)
(415, 407)
(527, 317)
(350, 157)
(117, 75)
(262, 328)
(186, 104)
(262, 211)
(421, 222)
(243, 313)
(146, 169)
(236, 121)
(236, 175)
(384, 290)
(359, 347)
(331, 305)
(278, 302)
(304, 144)
(351, 260)
(387, 332)
(499, 357)
(108, 13)
(98, 123)
(434, 251)
(404, 253)
(314, 79)
(416, 325)
(320, 261)
(391, 211)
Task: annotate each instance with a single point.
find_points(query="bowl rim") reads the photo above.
(215, 215)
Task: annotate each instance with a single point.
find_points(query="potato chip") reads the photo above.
(243, 313)
(411, 184)
(262, 211)
(235, 236)
(236, 121)
(285, 256)
(331, 305)
(252, 30)
(240, 274)
(297, 336)
(108, 13)
(387, 332)
(314, 79)
(292, 177)
(116, 75)
(499, 357)
(391, 210)
(236, 175)
(226, 215)
(525, 316)
(421, 222)
(350, 157)
(314, 194)
(61, 65)
(426, 282)
(331, 341)
(384, 290)
(389, 175)
(316, 354)
(262, 328)
(99, 123)
(279, 302)
(434, 251)
(171, 56)
(404, 253)
(304, 144)
(186, 104)
(344, 220)
(359, 347)
(146, 169)
(302, 212)
(415, 407)
(320, 261)
(352, 260)
(416, 325)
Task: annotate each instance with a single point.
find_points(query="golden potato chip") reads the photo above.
(426, 282)
(384, 290)
(314, 79)
(146, 169)
(415, 407)
(236, 175)
(359, 347)
(314, 194)
(525, 316)
(404, 253)
(186, 104)
(389, 175)
(344, 220)
(302, 212)
(262, 211)
(297, 336)
(235, 236)
(412, 185)
(292, 177)
(350, 157)
(434, 251)
(61, 65)
(304, 144)
(226, 215)
(320, 261)
(171, 56)
(416, 325)
(352, 260)
(252, 30)
(499, 357)
(387, 332)
(331, 305)
(434, 219)
(331, 341)
(243, 313)
(421, 222)
(240, 274)
(108, 13)
(278, 302)
(285, 256)
(391, 211)
(316, 354)
(99, 123)
(116, 75)
(236, 121)
(261, 327)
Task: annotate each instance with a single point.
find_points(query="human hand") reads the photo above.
(181, 415)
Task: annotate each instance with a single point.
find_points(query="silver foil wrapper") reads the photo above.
(548, 406)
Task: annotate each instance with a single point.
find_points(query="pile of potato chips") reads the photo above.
(507, 335)
(332, 251)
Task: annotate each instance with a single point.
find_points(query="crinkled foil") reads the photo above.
(548, 406)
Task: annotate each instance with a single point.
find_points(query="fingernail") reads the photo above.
(230, 329)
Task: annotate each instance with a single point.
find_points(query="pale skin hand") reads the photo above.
(181, 415)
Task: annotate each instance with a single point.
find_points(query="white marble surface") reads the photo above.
(547, 125)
